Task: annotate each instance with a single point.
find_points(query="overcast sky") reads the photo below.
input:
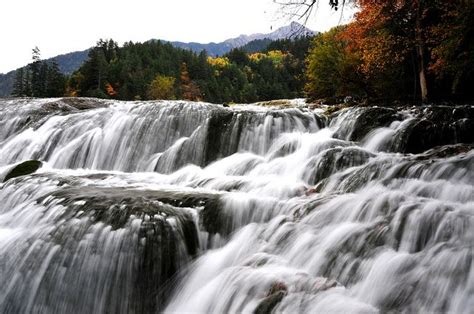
(62, 26)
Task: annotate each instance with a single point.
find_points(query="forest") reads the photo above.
(421, 50)
(392, 50)
(157, 70)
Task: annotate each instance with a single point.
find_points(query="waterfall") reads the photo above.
(174, 206)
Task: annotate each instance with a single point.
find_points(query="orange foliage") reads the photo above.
(379, 35)
(110, 90)
(189, 89)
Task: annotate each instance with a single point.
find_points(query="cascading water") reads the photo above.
(191, 207)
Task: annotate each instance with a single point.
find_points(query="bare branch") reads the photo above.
(303, 9)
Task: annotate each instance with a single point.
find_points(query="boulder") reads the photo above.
(22, 169)
(335, 160)
(367, 119)
(439, 125)
(275, 294)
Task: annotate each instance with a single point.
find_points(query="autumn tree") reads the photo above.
(189, 89)
(428, 44)
(162, 87)
(385, 43)
(451, 43)
(332, 70)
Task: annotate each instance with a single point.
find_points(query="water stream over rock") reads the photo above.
(142, 207)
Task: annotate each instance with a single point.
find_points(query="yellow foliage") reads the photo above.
(257, 56)
(218, 62)
(162, 87)
(276, 56)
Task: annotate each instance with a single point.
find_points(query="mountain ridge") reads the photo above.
(294, 29)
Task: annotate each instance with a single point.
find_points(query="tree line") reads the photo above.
(39, 78)
(157, 70)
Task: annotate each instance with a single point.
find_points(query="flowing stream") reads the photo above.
(180, 207)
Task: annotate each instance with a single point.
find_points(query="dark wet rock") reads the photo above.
(225, 132)
(367, 119)
(439, 125)
(115, 205)
(22, 169)
(213, 219)
(336, 159)
(70, 104)
(284, 150)
(167, 227)
(357, 179)
(275, 294)
(445, 151)
(217, 139)
(357, 247)
(84, 103)
(432, 126)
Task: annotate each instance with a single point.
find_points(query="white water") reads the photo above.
(317, 223)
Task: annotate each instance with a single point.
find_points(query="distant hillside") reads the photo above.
(218, 49)
(6, 83)
(68, 63)
(257, 45)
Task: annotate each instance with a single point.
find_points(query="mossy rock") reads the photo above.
(23, 169)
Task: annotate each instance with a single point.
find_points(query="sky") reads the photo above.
(62, 26)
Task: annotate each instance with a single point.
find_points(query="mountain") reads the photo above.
(70, 62)
(217, 49)
(257, 45)
(6, 83)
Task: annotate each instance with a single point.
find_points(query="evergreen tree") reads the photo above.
(19, 88)
(37, 86)
(56, 81)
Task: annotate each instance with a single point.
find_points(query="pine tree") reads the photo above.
(56, 81)
(18, 85)
(35, 69)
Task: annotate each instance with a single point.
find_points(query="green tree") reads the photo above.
(55, 81)
(20, 84)
(332, 70)
(37, 71)
(162, 87)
